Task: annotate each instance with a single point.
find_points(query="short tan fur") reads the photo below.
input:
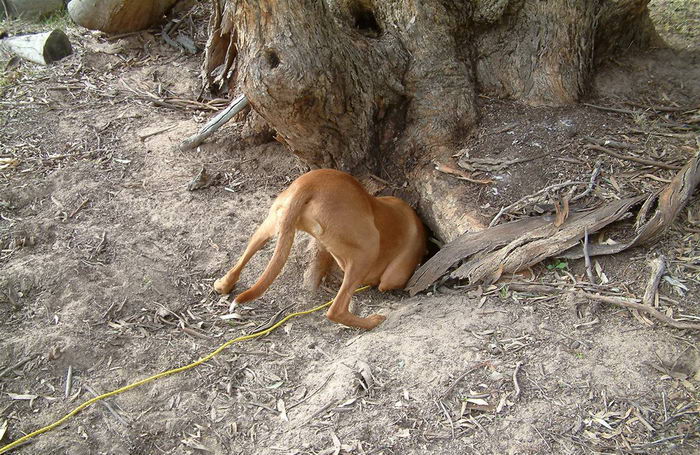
(376, 241)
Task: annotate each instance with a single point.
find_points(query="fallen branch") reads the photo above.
(607, 151)
(629, 303)
(510, 247)
(657, 133)
(669, 203)
(214, 124)
(670, 109)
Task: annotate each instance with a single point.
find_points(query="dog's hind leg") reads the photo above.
(319, 267)
(285, 239)
(225, 284)
(355, 272)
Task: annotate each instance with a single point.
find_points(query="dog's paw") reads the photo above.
(374, 320)
(221, 287)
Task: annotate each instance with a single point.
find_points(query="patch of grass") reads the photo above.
(558, 264)
(503, 292)
(19, 26)
(677, 21)
(58, 19)
(7, 77)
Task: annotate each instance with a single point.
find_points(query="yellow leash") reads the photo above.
(63, 419)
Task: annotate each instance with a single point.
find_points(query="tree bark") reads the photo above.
(362, 85)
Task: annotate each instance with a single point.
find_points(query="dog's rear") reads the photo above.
(281, 221)
(374, 242)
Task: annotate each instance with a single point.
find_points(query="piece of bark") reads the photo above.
(544, 242)
(41, 48)
(658, 267)
(515, 245)
(669, 203)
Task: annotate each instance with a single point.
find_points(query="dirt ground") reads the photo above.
(107, 263)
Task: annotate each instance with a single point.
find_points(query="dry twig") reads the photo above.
(516, 386)
(109, 407)
(645, 161)
(528, 197)
(612, 109)
(629, 303)
(15, 366)
(463, 375)
(69, 381)
(591, 182)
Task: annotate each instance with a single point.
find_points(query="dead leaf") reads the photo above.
(364, 375)
(282, 409)
(679, 287)
(190, 442)
(6, 163)
(404, 433)
(599, 271)
(613, 182)
(562, 211)
(347, 403)
(602, 422)
(336, 443)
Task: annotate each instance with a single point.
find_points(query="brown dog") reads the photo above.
(377, 241)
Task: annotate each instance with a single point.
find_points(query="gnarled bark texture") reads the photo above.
(356, 84)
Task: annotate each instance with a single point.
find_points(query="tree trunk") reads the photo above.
(118, 16)
(347, 82)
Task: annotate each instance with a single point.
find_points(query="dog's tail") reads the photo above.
(286, 229)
